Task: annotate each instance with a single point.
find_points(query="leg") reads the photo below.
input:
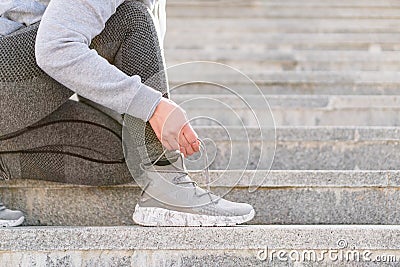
(138, 53)
(27, 94)
(170, 197)
(37, 142)
(75, 144)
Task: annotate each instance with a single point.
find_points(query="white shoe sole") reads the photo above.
(12, 223)
(163, 217)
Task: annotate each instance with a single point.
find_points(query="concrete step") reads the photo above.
(330, 3)
(295, 245)
(206, 79)
(303, 148)
(302, 65)
(293, 64)
(220, 74)
(280, 25)
(214, 9)
(291, 87)
(279, 197)
(261, 41)
(293, 3)
(296, 60)
(277, 55)
(292, 110)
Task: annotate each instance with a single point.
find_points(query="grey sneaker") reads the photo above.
(171, 198)
(10, 218)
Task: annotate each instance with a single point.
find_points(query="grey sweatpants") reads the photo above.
(44, 135)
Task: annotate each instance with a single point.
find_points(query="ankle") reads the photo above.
(168, 159)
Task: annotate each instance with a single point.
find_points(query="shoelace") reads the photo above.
(183, 173)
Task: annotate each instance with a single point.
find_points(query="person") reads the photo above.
(110, 54)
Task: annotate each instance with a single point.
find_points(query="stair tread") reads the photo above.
(236, 238)
(239, 178)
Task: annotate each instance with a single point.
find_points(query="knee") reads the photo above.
(135, 14)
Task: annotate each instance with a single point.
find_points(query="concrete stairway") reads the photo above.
(330, 72)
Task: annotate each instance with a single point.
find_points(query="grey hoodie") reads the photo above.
(104, 83)
(15, 14)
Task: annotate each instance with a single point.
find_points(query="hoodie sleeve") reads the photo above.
(62, 51)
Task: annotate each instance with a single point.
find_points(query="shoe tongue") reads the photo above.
(179, 164)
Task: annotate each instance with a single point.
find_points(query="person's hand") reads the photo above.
(170, 123)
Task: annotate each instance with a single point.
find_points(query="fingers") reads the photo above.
(196, 146)
(188, 141)
(184, 145)
(187, 151)
(191, 137)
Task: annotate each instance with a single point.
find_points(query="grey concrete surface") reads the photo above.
(275, 41)
(318, 63)
(338, 77)
(292, 3)
(214, 9)
(249, 62)
(281, 197)
(292, 87)
(236, 246)
(303, 148)
(291, 110)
